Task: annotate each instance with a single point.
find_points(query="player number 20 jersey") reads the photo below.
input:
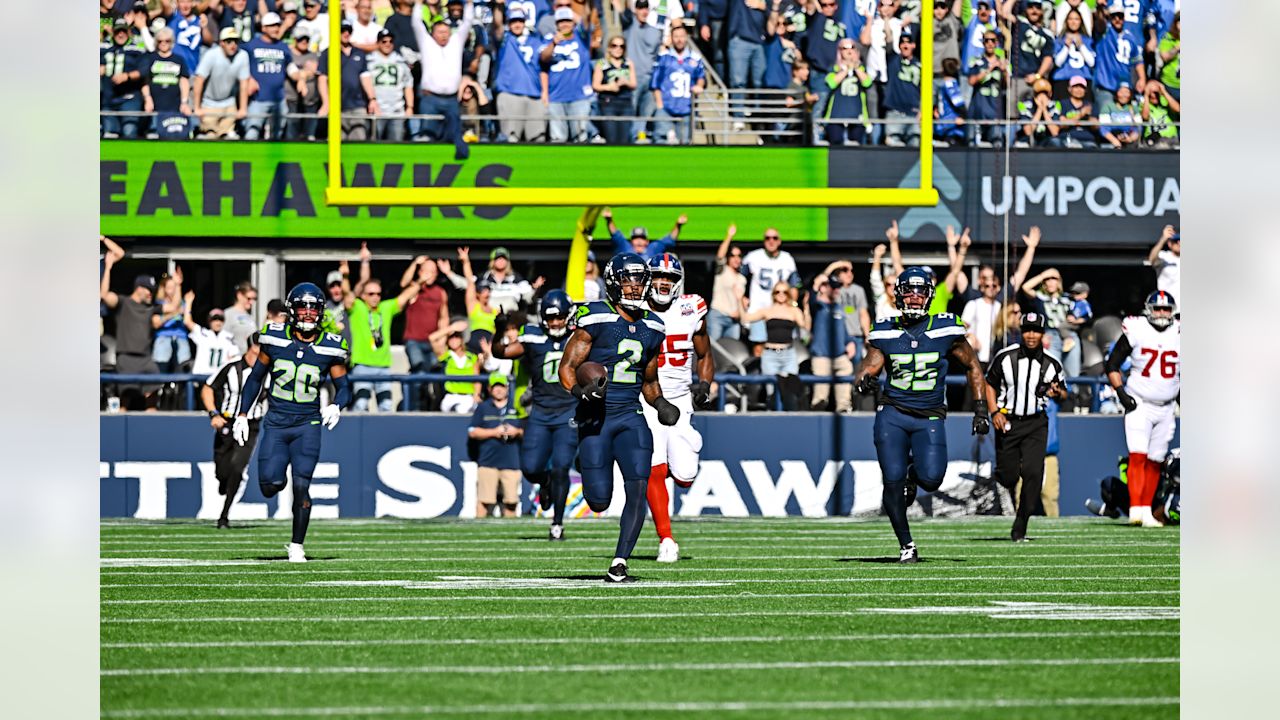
(676, 363)
(297, 368)
(1155, 373)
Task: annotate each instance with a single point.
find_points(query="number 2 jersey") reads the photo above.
(916, 361)
(1155, 373)
(676, 364)
(542, 355)
(297, 368)
(624, 348)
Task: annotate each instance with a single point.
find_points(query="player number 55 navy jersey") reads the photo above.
(916, 360)
(624, 348)
(297, 368)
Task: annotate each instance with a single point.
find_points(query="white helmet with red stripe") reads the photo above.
(666, 267)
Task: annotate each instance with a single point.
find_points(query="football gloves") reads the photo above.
(591, 392)
(668, 414)
(1126, 400)
(329, 416)
(867, 384)
(701, 393)
(240, 430)
(981, 420)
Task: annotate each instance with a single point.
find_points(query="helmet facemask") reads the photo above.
(628, 283)
(305, 314)
(666, 287)
(1159, 315)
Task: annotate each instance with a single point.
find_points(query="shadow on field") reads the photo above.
(576, 577)
(894, 560)
(285, 558)
(1002, 538)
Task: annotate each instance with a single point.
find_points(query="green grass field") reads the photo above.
(762, 618)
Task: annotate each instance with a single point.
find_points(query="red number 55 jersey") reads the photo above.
(675, 364)
(1155, 373)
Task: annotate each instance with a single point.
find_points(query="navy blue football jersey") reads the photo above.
(542, 356)
(297, 368)
(624, 349)
(916, 360)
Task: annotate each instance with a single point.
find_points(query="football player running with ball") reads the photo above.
(297, 356)
(910, 427)
(675, 449)
(1151, 344)
(550, 437)
(616, 347)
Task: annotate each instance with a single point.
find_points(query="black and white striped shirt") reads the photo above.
(228, 384)
(1014, 375)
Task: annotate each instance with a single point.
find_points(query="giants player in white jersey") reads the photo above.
(1151, 345)
(676, 448)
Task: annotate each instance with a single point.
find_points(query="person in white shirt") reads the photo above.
(215, 345)
(364, 29)
(441, 77)
(980, 316)
(1166, 259)
(314, 24)
(767, 267)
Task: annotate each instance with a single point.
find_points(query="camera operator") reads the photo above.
(1020, 380)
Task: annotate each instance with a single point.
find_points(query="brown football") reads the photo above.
(590, 373)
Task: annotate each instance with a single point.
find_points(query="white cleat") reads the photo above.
(1149, 520)
(296, 554)
(1135, 515)
(668, 551)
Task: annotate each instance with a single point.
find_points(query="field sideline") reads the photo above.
(761, 618)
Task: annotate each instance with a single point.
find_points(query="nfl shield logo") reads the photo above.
(299, 354)
(631, 328)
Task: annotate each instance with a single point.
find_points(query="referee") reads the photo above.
(1019, 379)
(221, 398)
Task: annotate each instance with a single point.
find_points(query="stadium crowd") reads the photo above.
(1043, 73)
(441, 313)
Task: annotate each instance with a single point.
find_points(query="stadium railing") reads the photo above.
(410, 383)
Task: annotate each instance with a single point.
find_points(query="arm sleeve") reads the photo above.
(252, 387)
(1119, 353)
(341, 391)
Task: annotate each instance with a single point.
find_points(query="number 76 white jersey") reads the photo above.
(1155, 372)
(676, 363)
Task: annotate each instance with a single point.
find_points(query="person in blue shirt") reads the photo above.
(1031, 49)
(983, 21)
(624, 337)
(677, 78)
(188, 39)
(120, 70)
(902, 94)
(296, 355)
(357, 86)
(747, 34)
(639, 242)
(496, 427)
(823, 32)
(910, 427)
(167, 91)
(1121, 120)
(847, 85)
(1119, 59)
(550, 435)
(712, 38)
(566, 61)
(1073, 54)
(987, 76)
(949, 106)
(517, 83)
(268, 56)
(829, 347)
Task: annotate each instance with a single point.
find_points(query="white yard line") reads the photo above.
(629, 598)
(669, 614)
(502, 669)
(1128, 579)
(673, 641)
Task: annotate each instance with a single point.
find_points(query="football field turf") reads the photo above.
(761, 618)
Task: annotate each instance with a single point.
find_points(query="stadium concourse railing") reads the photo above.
(754, 117)
(411, 382)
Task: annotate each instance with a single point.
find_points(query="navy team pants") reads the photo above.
(550, 439)
(296, 446)
(904, 441)
(624, 439)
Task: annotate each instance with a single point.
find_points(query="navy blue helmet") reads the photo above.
(627, 280)
(668, 266)
(913, 293)
(1159, 309)
(556, 305)
(305, 304)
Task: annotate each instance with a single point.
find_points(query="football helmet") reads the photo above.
(666, 267)
(913, 293)
(305, 304)
(627, 280)
(556, 305)
(1159, 309)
